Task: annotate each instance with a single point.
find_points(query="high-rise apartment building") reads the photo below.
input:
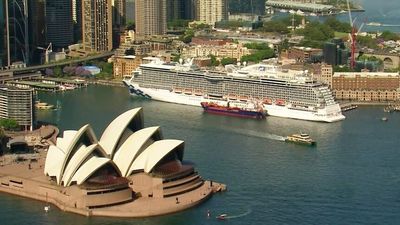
(59, 23)
(151, 17)
(17, 104)
(97, 25)
(211, 11)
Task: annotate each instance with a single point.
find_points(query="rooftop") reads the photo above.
(366, 74)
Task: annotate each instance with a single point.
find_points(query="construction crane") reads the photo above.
(47, 50)
(353, 36)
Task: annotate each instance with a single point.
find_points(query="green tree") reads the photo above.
(258, 55)
(367, 41)
(57, 71)
(178, 24)
(387, 36)
(228, 60)
(337, 26)
(275, 26)
(214, 61)
(176, 57)
(9, 124)
(257, 46)
(187, 36)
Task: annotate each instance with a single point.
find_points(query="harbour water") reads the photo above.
(350, 177)
(386, 13)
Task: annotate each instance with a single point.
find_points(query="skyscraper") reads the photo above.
(130, 10)
(211, 11)
(3, 35)
(37, 29)
(18, 30)
(175, 10)
(151, 17)
(77, 19)
(97, 25)
(119, 12)
(59, 23)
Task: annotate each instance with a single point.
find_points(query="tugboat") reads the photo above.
(301, 138)
(236, 109)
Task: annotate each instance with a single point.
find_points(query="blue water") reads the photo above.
(386, 12)
(350, 177)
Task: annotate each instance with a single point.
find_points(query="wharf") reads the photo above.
(35, 85)
(392, 108)
(348, 106)
(61, 81)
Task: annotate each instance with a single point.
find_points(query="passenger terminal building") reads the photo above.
(131, 171)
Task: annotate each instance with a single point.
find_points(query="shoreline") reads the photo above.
(26, 179)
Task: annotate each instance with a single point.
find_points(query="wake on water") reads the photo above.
(259, 134)
(239, 215)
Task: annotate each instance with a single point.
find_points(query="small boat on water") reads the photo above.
(237, 109)
(222, 216)
(301, 138)
(384, 119)
(43, 105)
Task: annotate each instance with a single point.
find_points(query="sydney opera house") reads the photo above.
(131, 171)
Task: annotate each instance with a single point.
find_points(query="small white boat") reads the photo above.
(300, 13)
(222, 216)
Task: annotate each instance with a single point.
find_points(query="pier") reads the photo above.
(348, 106)
(49, 84)
(308, 7)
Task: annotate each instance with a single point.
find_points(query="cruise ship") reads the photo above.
(283, 93)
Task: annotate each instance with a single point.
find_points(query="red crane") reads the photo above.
(353, 37)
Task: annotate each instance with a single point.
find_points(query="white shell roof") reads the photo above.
(54, 159)
(78, 159)
(112, 134)
(72, 143)
(153, 154)
(75, 159)
(87, 169)
(132, 147)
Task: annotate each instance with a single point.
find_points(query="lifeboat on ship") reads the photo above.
(267, 101)
(177, 90)
(231, 97)
(243, 98)
(198, 93)
(187, 91)
(280, 102)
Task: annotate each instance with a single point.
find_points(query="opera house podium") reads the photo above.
(131, 171)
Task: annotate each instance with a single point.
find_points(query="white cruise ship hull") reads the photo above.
(329, 114)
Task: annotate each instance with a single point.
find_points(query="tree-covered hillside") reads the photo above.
(245, 6)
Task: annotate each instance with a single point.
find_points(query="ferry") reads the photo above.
(43, 105)
(237, 109)
(301, 138)
(283, 93)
